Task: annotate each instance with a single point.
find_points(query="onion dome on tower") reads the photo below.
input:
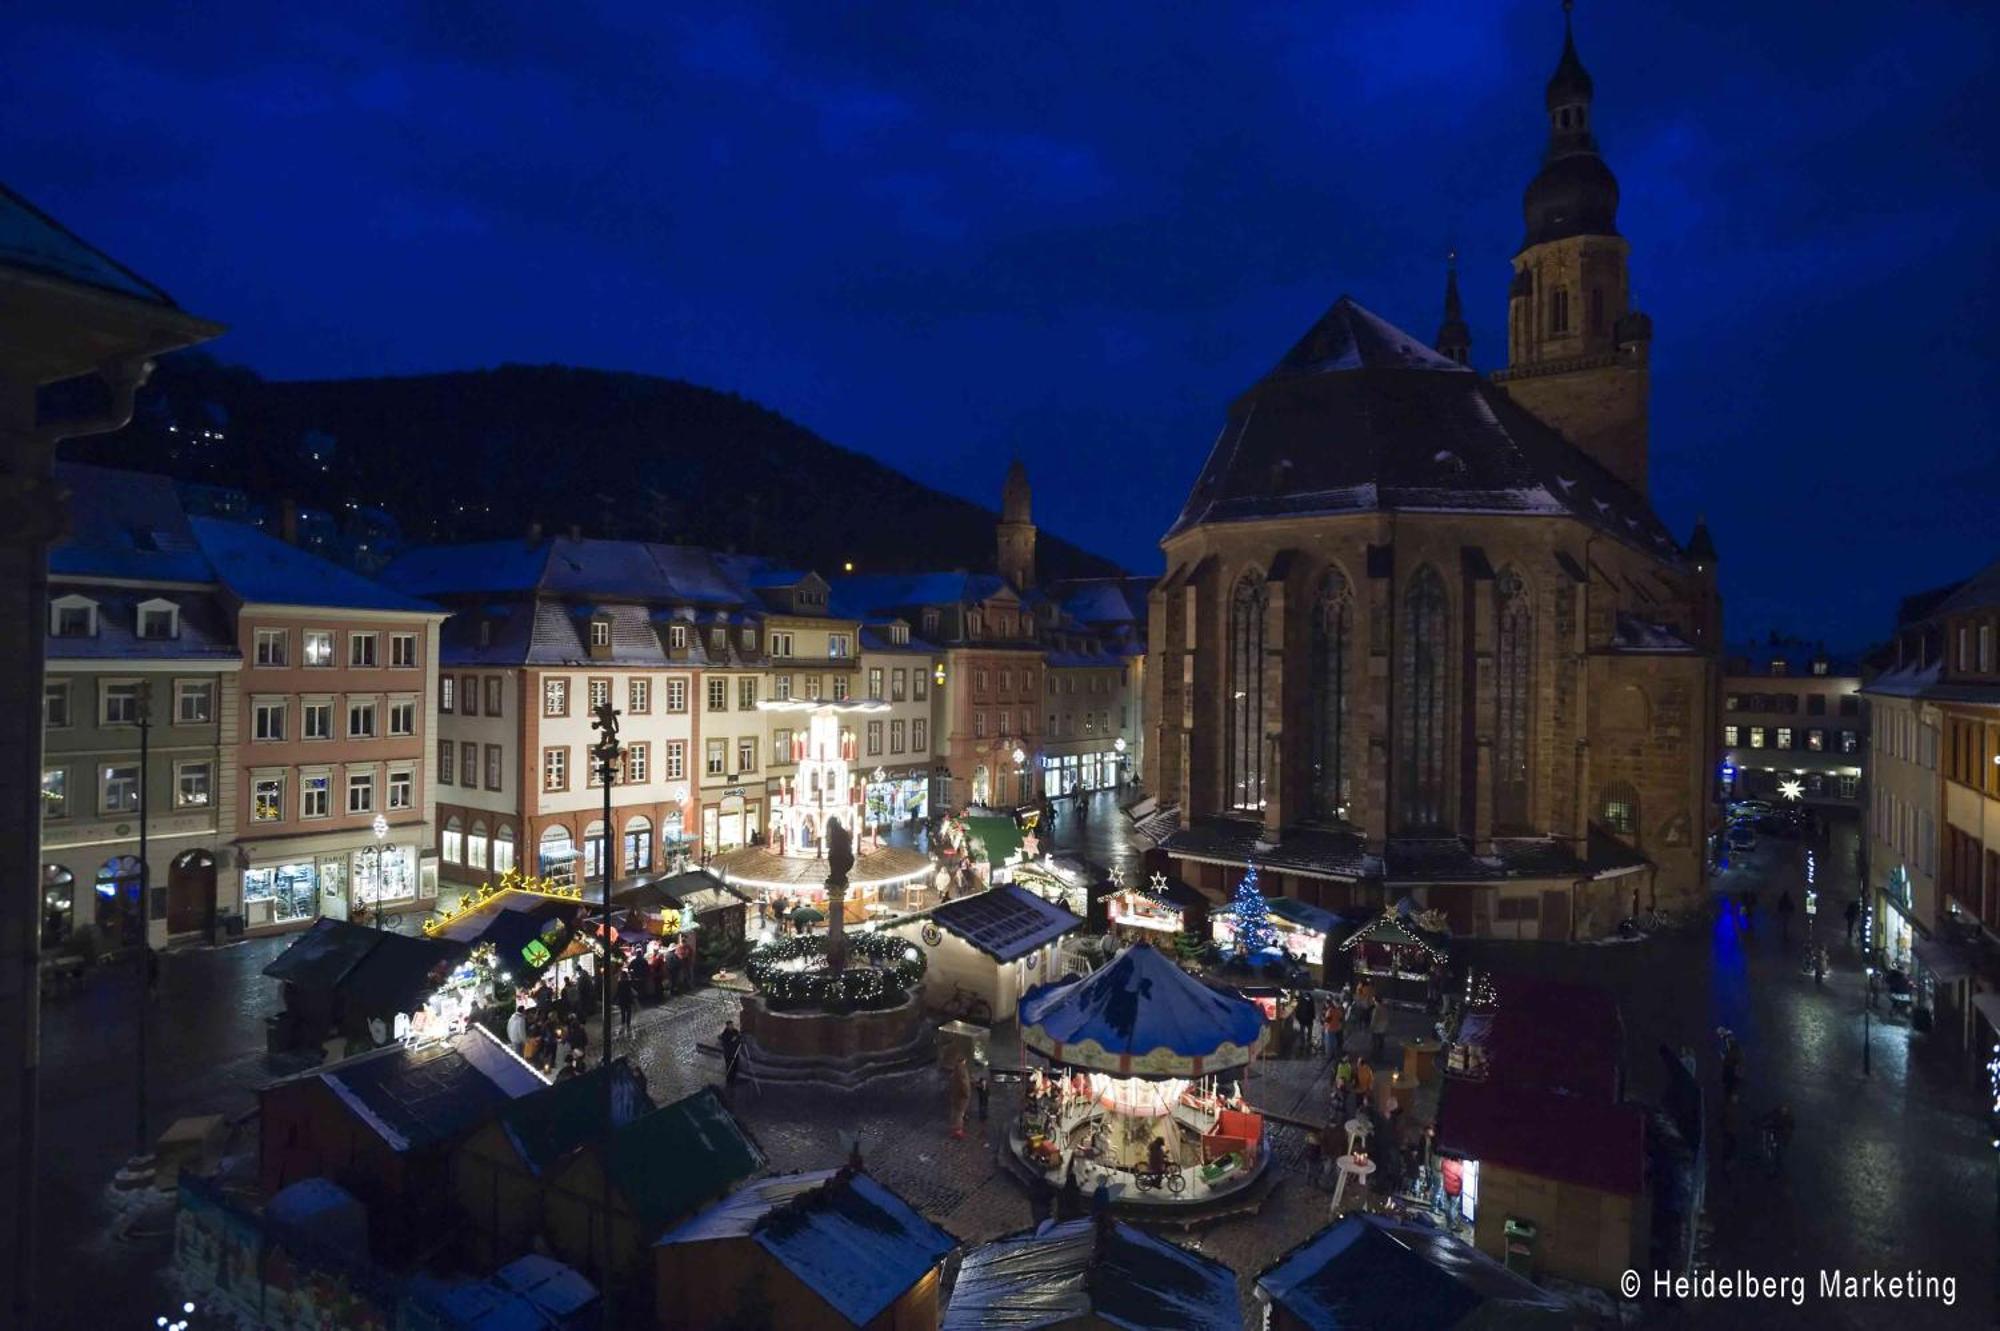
(1575, 193)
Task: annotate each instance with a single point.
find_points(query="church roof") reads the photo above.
(1361, 417)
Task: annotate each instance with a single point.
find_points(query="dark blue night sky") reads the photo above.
(944, 234)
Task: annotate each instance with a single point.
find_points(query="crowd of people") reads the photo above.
(546, 1026)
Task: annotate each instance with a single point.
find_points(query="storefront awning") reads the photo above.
(1948, 963)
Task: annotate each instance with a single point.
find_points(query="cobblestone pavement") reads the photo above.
(1888, 1172)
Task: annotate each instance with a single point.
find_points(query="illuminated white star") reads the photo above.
(1792, 790)
(1117, 876)
(1159, 882)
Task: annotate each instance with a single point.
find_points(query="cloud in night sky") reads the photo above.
(949, 234)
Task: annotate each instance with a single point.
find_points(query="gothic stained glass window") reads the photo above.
(1332, 627)
(1245, 711)
(1513, 677)
(1421, 704)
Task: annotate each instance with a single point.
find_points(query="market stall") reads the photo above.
(338, 978)
(692, 900)
(1155, 910)
(1402, 961)
(1068, 880)
(1134, 1099)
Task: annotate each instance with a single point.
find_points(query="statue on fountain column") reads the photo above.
(839, 859)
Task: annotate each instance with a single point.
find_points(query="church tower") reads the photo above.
(1017, 530)
(1576, 349)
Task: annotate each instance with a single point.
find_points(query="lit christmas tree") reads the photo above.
(1252, 916)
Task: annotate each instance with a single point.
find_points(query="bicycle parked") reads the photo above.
(967, 1005)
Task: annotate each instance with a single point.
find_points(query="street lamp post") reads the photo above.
(607, 752)
(380, 828)
(138, 1171)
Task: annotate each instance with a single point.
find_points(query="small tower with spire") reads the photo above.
(1454, 337)
(1576, 349)
(1016, 533)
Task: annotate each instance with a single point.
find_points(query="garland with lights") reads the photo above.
(511, 881)
(792, 973)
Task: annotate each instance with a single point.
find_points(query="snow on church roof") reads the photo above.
(1359, 417)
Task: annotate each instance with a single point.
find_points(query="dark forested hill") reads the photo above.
(484, 453)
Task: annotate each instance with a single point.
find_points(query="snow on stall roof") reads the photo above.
(31, 239)
(1367, 1271)
(557, 1289)
(1121, 1275)
(263, 570)
(852, 1241)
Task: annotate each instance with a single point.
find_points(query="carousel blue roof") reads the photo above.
(1141, 1015)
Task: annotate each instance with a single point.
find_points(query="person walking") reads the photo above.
(1336, 1039)
(627, 997)
(517, 1030)
(1307, 1019)
(1853, 916)
(1785, 909)
(731, 1041)
(961, 1097)
(1364, 1083)
(673, 972)
(1378, 1028)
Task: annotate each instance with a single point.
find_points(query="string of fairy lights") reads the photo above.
(512, 881)
(791, 972)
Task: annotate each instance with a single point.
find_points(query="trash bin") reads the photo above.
(1520, 1237)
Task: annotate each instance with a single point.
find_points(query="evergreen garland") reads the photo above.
(898, 965)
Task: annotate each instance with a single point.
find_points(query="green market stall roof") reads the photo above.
(995, 840)
(548, 1125)
(1388, 930)
(673, 1160)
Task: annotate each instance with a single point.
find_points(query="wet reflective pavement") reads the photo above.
(1889, 1171)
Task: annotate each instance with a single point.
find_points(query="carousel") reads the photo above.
(826, 788)
(1139, 1095)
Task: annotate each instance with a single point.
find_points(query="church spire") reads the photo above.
(1454, 337)
(1575, 193)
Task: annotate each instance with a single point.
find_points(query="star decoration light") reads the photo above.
(1117, 875)
(1792, 790)
(1160, 883)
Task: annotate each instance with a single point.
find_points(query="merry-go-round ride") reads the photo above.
(1139, 1095)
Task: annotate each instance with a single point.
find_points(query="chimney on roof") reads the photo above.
(534, 533)
(288, 521)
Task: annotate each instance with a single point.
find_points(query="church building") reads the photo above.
(1421, 633)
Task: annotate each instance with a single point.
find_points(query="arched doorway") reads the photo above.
(58, 904)
(121, 914)
(190, 892)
